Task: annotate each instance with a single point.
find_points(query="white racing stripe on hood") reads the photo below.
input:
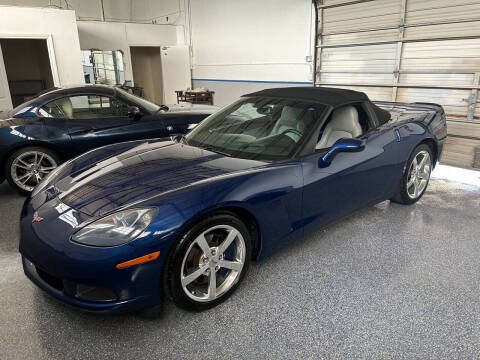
(106, 166)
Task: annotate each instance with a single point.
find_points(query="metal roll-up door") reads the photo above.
(407, 51)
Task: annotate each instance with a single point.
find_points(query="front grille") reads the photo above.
(95, 293)
(50, 279)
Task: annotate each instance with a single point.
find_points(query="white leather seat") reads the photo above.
(293, 118)
(288, 120)
(66, 106)
(344, 124)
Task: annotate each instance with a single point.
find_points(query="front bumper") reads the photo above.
(86, 277)
(61, 293)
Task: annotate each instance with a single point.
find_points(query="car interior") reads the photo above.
(348, 121)
(266, 128)
(84, 107)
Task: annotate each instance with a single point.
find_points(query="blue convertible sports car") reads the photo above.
(121, 226)
(38, 135)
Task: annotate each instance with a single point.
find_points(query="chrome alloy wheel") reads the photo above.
(29, 168)
(213, 263)
(419, 174)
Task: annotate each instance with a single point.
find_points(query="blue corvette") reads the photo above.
(119, 227)
(60, 124)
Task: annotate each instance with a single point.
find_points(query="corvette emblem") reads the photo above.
(36, 218)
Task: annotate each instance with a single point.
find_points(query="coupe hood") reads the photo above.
(145, 170)
(193, 108)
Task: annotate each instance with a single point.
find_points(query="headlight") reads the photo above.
(115, 229)
(47, 179)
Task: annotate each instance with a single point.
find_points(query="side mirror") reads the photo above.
(134, 112)
(341, 145)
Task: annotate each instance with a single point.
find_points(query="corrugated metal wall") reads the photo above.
(408, 50)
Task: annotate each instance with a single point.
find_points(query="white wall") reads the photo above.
(249, 44)
(60, 24)
(260, 43)
(120, 36)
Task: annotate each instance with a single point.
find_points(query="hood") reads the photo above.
(149, 169)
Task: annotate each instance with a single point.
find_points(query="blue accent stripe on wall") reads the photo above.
(258, 82)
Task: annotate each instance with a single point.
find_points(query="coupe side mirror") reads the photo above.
(341, 145)
(134, 112)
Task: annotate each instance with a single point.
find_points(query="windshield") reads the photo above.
(257, 128)
(137, 101)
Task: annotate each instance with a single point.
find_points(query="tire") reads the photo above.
(415, 180)
(31, 163)
(187, 260)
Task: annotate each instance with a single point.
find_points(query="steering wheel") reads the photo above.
(292, 131)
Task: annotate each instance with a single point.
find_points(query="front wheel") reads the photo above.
(416, 176)
(27, 167)
(209, 262)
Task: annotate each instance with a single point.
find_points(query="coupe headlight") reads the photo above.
(115, 229)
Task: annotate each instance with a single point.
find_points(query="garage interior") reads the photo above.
(390, 281)
(27, 66)
(147, 71)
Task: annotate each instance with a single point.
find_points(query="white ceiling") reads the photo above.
(146, 11)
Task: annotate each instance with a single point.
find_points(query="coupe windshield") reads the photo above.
(138, 101)
(257, 128)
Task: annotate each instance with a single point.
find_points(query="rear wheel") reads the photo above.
(27, 167)
(416, 176)
(209, 262)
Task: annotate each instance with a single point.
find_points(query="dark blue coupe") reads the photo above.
(38, 135)
(119, 227)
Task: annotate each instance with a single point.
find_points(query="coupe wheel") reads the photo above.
(416, 176)
(26, 167)
(209, 262)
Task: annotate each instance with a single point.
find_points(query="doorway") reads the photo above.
(26, 65)
(147, 72)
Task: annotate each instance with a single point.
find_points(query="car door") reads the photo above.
(94, 120)
(180, 123)
(91, 120)
(351, 181)
(192, 120)
(174, 123)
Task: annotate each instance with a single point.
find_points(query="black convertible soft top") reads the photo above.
(325, 95)
(331, 96)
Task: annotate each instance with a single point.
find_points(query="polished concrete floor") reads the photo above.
(390, 281)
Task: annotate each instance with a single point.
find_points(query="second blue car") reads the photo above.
(40, 134)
